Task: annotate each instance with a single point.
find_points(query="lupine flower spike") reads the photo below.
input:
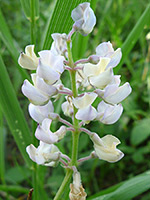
(96, 95)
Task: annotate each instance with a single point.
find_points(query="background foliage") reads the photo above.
(125, 24)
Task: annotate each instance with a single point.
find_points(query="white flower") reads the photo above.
(108, 114)
(105, 49)
(98, 75)
(39, 113)
(44, 134)
(45, 154)
(77, 191)
(114, 94)
(67, 107)
(50, 66)
(82, 79)
(86, 112)
(40, 92)
(105, 148)
(28, 60)
(84, 18)
(59, 46)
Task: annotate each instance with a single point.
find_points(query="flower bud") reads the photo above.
(84, 18)
(94, 59)
(77, 191)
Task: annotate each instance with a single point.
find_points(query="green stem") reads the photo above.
(64, 184)
(32, 18)
(76, 133)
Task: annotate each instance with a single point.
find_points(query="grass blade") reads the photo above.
(128, 189)
(134, 35)
(13, 113)
(2, 151)
(26, 4)
(14, 188)
(6, 37)
(26, 7)
(61, 20)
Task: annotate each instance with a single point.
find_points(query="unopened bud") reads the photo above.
(77, 191)
(94, 59)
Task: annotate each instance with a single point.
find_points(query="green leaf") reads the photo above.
(6, 37)
(17, 174)
(134, 35)
(2, 151)
(14, 188)
(140, 132)
(13, 113)
(26, 7)
(60, 21)
(129, 189)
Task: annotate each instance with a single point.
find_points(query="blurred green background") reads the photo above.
(115, 21)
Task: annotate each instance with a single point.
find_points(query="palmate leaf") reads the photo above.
(128, 189)
(13, 113)
(60, 21)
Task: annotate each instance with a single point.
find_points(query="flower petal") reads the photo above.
(89, 20)
(105, 148)
(103, 79)
(109, 114)
(48, 58)
(119, 95)
(49, 75)
(95, 70)
(59, 46)
(85, 100)
(104, 48)
(33, 94)
(86, 114)
(39, 113)
(48, 90)
(31, 150)
(115, 58)
(28, 60)
(44, 134)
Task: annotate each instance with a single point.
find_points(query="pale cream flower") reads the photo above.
(105, 148)
(28, 60)
(44, 154)
(86, 112)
